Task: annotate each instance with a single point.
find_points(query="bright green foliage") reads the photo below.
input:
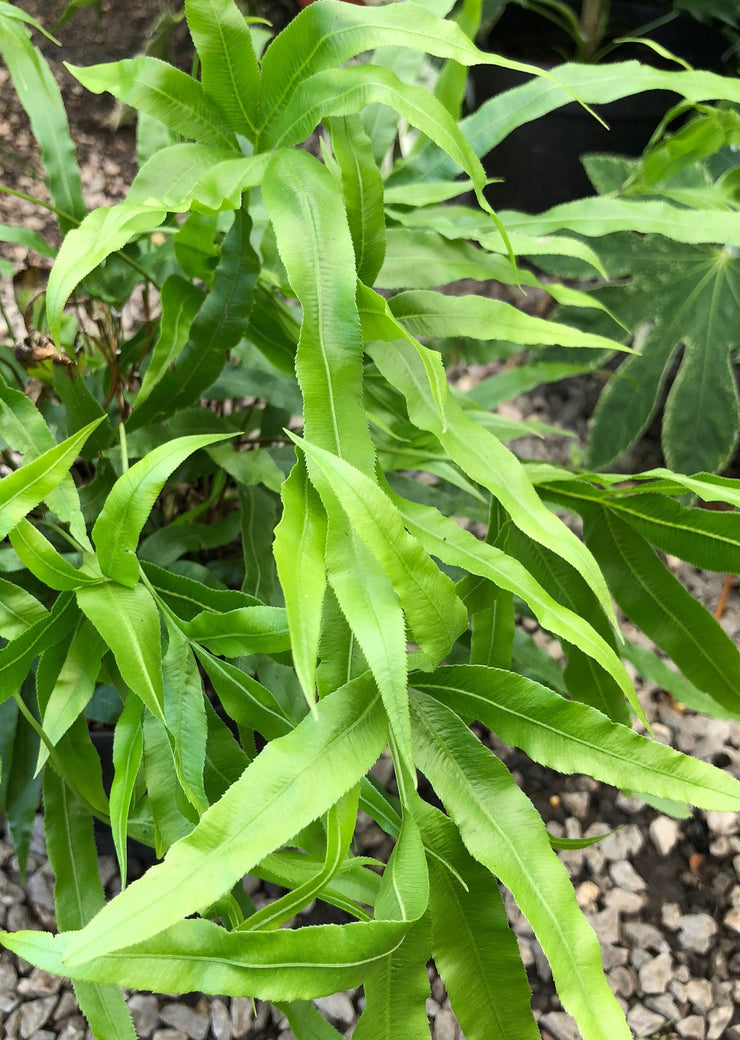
(258, 566)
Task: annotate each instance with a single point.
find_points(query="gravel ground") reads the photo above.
(663, 895)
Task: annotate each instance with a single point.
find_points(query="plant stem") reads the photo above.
(594, 16)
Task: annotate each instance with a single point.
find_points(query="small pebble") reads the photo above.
(656, 973)
(561, 1026)
(445, 1026)
(643, 1021)
(693, 1028)
(717, 1020)
(732, 919)
(696, 932)
(187, 1020)
(35, 1014)
(338, 1008)
(220, 1020)
(699, 994)
(144, 1010)
(624, 875)
(241, 1016)
(664, 832)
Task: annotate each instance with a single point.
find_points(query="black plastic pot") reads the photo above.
(540, 161)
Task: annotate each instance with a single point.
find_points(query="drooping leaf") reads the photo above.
(43, 560)
(573, 737)
(18, 609)
(236, 633)
(128, 750)
(497, 824)
(161, 90)
(180, 301)
(185, 712)
(287, 786)
(246, 701)
(17, 656)
(117, 529)
(78, 895)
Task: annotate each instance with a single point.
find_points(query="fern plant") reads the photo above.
(265, 589)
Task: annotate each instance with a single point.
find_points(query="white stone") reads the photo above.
(35, 1014)
(220, 1020)
(622, 981)
(693, 1028)
(586, 895)
(560, 1026)
(643, 1021)
(732, 919)
(718, 1019)
(699, 994)
(625, 902)
(656, 974)
(622, 844)
(192, 1023)
(144, 1011)
(670, 915)
(644, 935)
(696, 932)
(338, 1008)
(723, 822)
(664, 832)
(624, 875)
(445, 1026)
(606, 924)
(241, 1016)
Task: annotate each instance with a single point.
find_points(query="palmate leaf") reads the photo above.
(503, 831)
(573, 737)
(292, 782)
(696, 310)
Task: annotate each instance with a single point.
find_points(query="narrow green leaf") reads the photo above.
(43, 560)
(484, 459)
(300, 193)
(362, 187)
(172, 814)
(218, 326)
(185, 713)
(188, 597)
(161, 90)
(18, 610)
(656, 601)
(474, 949)
(247, 702)
(229, 70)
(498, 823)
(117, 529)
(396, 990)
(101, 233)
(22, 490)
(40, 96)
(26, 238)
(197, 955)
(74, 686)
(293, 780)
(180, 301)
(435, 614)
(236, 633)
(258, 512)
(573, 737)
(445, 539)
(299, 547)
(128, 751)
(78, 895)
(17, 656)
(128, 621)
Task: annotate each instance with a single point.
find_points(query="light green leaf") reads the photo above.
(299, 547)
(229, 71)
(18, 610)
(117, 529)
(474, 949)
(40, 96)
(656, 601)
(300, 193)
(161, 90)
(26, 238)
(180, 302)
(236, 633)
(43, 560)
(362, 187)
(573, 737)
(17, 656)
(292, 782)
(188, 597)
(128, 621)
(101, 233)
(169, 179)
(484, 459)
(128, 750)
(435, 614)
(247, 702)
(78, 895)
(74, 686)
(504, 832)
(22, 490)
(185, 713)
